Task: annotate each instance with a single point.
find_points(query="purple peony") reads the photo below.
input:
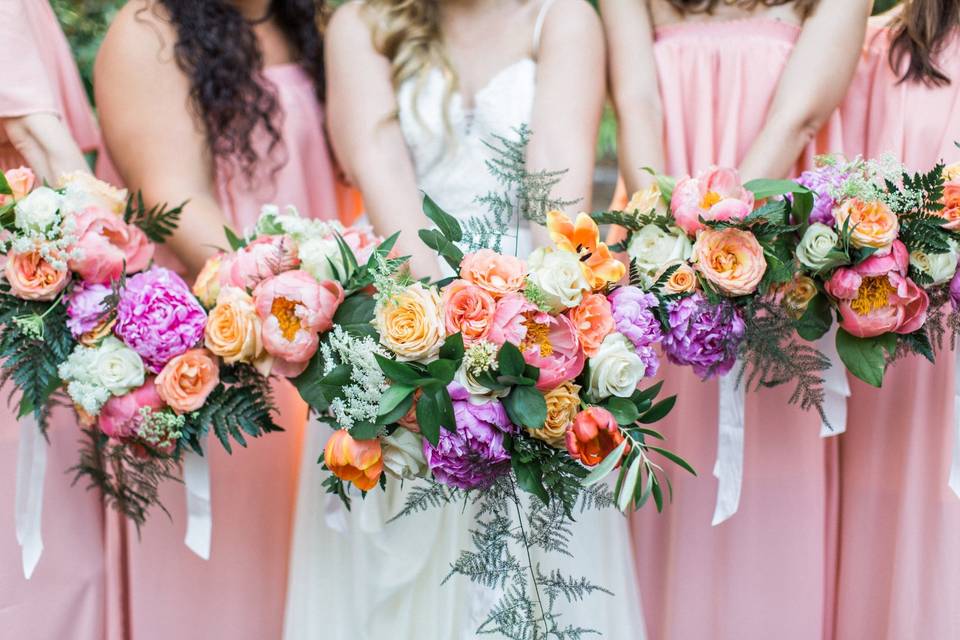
(85, 307)
(158, 317)
(703, 335)
(634, 319)
(955, 291)
(474, 456)
(821, 180)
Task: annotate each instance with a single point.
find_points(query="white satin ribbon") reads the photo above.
(196, 480)
(31, 469)
(836, 387)
(954, 481)
(728, 469)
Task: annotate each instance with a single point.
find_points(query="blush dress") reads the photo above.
(899, 558)
(239, 593)
(766, 572)
(70, 592)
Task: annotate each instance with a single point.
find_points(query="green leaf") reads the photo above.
(657, 494)
(919, 342)
(510, 360)
(398, 412)
(669, 455)
(393, 397)
(658, 411)
(624, 410)
(447, 250)
(763, 188)
(452, 348)
(236, 242)
(526, 407)
(364, 431)
(399, 372)
(355, 315)
(642, 395)
(863, 357)
(530, 478)
(311, 388)
(629, 484)
(802, 208)
(653, 433)
(666, 184)
(603, 469)
(447, 224)
(448, 419)
(5, 186)
(442, 370)
(816, 320)
(428, 417)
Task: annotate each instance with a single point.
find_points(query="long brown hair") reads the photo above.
(804, 7)
(918, 34)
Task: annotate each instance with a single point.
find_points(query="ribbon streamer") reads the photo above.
(31, 469)
(729, 467)
(836, 387)
(954, 481)
(196, 480)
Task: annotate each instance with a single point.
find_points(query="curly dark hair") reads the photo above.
(217, 49)
(804, 7)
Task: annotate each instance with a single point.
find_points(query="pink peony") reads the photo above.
(508, 319)
(106, 243)
(294, 309)
(551, 345)
(715, 194)
(259, 260)
(362, 240)
(120, 416)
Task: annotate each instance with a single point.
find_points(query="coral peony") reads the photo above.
(730, 259)
(356, 461)
(593, 321)
(187, 380)
(550, 343)
(593, 436)
(468, 310)
(714, 194)
(259, 260)
(508, 319)
(496, 273)
(33, 277)
(120, 416)
(106, 246)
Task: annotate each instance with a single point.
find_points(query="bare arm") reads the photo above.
(812, 85)
(366, 137)
(45, 142)
(635, 89)
(149, 128)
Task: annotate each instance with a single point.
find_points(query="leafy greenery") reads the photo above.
(158, 222)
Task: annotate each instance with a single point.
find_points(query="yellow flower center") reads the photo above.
(874, 293)
(285, 311)
(710, 198)
(538, 335)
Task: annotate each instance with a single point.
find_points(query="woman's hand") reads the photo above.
(45, 142)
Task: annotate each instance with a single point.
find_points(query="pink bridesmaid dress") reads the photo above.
(899, 560)
(68, 595)
(763, 573)
(239, 593)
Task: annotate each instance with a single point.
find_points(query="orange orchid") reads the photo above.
(356, 461)
(582, 237)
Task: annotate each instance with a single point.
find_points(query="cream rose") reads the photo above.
(815, 246)
(411, 323)
(117, 367)
(233, 327)
(652, 248)
(559, 276)
(647, 200)
(402, 453)
(951, 172)
(82, 191)
(479, 394)
(939, 266)
(616, 370)
(319, 256)
(563, 404)
(38, 211)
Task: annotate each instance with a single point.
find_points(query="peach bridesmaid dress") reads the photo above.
(68, 595)
(765, 572)
(239, 593)
(899, 559)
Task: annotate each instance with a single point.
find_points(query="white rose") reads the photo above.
(82, 191)
(117, 367)
(38, 211)
(652, 248)
(939, 266)
(616, 370)
(479, 394)
(316, 256)
(559, 275)
(817, 242)
(403, 455)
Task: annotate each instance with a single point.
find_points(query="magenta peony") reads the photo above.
(85, 308)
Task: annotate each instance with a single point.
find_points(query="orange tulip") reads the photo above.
(582, 237)
(593, 436)
(356, 461)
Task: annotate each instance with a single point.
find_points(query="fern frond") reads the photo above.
(158, 222)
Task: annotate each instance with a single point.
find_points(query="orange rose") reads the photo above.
(233, 328)
(468, 310)
(593, 320)
(185, 382)
(495, 273)
(872, 224)
(207, 285)
(683, 280)
(356, 461)
(593, 436)
(730, 259)
(563, 402)
(951, 205)
(31, 277)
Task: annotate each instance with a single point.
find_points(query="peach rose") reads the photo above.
(468, 310)
(563, 403)
(683, 280)
(495, 273)
(730, 259)
(951, 172)
(84, 191)
(356, 461)
(207, 285)
(31, 277)
(411, 324)
(106, 245)
(593, 436)
(951, 205)
(233, 328)
(185, 382)
(872, 224)
(21, 181)
(593, 320)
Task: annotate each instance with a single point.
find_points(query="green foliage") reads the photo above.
(866, 358)
(916, 204)
(158, 222)
(84, 23)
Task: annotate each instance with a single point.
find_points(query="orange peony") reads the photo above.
(185, 382)
(495, 273)
(582, 238)
(593, 320)
(356, 461)
(730, 259)
(468, 310)
(593, 436)
(31, 277)
(872, 224)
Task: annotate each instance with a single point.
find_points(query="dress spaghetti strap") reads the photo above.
(538, 26)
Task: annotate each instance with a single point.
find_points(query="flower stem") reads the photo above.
(526, 547)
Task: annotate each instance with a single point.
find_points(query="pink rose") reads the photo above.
(120, 416)
(508, 319)
(105, 244)
(31, 277)
(551, 344)
(496, 273)
(259, 260)
(362, 240)
(593, 320)
(294, 309)
(21, 181)
(468, 310)
(715, 194)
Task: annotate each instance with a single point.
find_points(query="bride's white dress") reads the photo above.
(353, 575)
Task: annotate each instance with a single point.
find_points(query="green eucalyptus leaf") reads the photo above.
(629, 484)
(526, 407)
(863, 357)
(607, 465)
(658, 411)
(624, 411)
